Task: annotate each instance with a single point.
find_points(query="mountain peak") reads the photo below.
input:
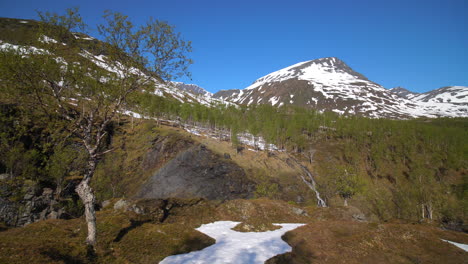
(403, 92)
(329, 60)
(329, 71)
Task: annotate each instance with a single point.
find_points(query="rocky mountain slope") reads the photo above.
(329, 84)
(191, 88)
(403, 92)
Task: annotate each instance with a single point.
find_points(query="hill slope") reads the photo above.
(22, 34)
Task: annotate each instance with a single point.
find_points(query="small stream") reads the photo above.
(312, 185)
(310, 182)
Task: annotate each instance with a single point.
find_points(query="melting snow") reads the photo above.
(131, 113)
(236, 247)
(22, 49)
(460, 245)
(46, 39)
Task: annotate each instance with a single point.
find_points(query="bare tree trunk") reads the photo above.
(345, 201)
(87, 197)
(427, 211)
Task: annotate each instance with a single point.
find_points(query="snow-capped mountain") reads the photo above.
(330, 84)
(323, 84)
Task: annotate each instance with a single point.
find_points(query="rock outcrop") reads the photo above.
(198, 172)
(37, 204)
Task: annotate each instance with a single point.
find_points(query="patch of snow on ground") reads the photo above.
(22, 49)
(46, 39)
(131, 113)
(158, 92)
(236, 247)
(460, 245)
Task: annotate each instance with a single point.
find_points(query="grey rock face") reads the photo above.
(8, 212)
(198, 172)
(36, 205)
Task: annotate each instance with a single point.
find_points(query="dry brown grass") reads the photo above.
(330, 236)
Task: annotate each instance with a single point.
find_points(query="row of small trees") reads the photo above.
(416, 157)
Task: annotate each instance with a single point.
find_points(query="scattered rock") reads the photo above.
(135, 208)
(359, 217)
(105, 203)
(227, 156)
(28, 196)
(47, 192)
(4, 176)
(299, 199)
(299, 211)
(121, 205)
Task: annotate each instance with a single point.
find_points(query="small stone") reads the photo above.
(28, 196)
(299, 199)
(47, 191)
(4, 176)
(105, 203)
(359, 217)
(137, 209)
(227, 156)
(299, 211)
(53, 215)
(120, 204)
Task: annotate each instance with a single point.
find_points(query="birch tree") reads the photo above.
(88, 90)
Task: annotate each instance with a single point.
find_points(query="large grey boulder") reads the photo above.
(198, 172)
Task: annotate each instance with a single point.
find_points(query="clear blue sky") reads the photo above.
(420, 45)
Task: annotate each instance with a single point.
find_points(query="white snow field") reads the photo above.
(236, 247)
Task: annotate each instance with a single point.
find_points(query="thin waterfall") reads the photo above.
(312, 185)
